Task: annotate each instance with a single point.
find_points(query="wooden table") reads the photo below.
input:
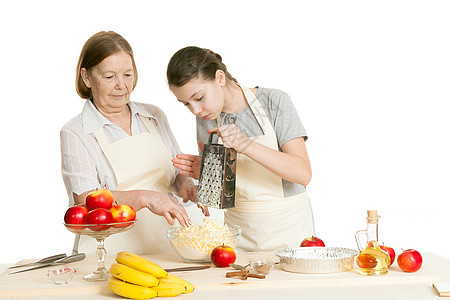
(212, 283)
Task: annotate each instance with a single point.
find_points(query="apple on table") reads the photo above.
(222, 256)
(390, 251)
(409, 261)
(312, 241)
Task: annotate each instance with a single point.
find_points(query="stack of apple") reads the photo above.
(409, 260)
(98, 210)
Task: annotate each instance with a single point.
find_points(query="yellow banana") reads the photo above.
(169, 289)
(139, 263)
(189, 287)
(132, 275)
(130, 290)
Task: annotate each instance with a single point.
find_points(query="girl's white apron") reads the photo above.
(140, 162)
(268, 220)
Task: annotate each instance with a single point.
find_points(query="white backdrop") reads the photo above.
(370, 81)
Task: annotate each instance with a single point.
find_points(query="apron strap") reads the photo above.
(149, 125)
(101, 137)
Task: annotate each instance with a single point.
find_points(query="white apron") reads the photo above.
(268, 220)
(139, 162)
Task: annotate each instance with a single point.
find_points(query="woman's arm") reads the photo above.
(291, 164)
(158, 203)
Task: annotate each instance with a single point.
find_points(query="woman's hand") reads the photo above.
(164, 205)
(232, 137)
(160, 204)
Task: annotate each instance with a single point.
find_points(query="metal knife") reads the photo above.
(64, 260)
(187, 268)
(44, 260)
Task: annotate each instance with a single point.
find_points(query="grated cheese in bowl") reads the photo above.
(195, 243)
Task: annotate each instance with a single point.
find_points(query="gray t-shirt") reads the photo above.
(284, 119)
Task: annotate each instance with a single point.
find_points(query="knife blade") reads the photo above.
(44, 260)
(193, 268)
(64, 260)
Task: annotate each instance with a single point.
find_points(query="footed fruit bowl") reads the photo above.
(99, 232)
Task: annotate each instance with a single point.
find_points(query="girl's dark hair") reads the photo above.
(194, 62)
(98, 47)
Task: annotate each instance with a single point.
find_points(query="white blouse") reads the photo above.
(84, 166)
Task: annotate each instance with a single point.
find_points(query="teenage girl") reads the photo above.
(273, 168)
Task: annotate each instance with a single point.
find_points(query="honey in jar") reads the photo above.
(372, 260)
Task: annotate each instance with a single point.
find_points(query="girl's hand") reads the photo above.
(232, 137)
(189, 193)
(186, 189)
(189, 165)
(204, 209)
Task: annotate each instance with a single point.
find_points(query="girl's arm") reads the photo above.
(291, 164)
(188, 164)
(184, 188)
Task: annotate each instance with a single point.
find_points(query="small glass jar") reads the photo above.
(61, 276)
(262, 266)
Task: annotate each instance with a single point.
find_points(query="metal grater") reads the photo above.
(216, 185)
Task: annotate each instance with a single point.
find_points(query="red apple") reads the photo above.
(389, 251)
(223, 256)
(312, 242)
(76, 215)
(123, 213)
(99, 199)
(99, 216)
(409, 260)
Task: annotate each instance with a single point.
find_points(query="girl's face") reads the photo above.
(111, 81)
(204, 98)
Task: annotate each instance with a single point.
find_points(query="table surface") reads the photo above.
(212, 283)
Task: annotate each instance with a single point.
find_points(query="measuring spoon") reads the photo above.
(239, 267)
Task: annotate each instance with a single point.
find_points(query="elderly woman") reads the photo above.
(122, 146)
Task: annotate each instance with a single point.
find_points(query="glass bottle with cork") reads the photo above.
(372, 260)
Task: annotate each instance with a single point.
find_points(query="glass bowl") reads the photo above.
(61, 276)
(196, 244)
(262, 266)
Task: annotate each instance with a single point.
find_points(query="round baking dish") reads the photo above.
(316, 260)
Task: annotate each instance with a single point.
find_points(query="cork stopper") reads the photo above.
(372, 216)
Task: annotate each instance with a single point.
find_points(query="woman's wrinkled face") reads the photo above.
(204, 98)
(111, 81)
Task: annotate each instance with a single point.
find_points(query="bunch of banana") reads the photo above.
(138, 278)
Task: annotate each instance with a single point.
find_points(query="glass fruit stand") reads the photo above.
(99, 232)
